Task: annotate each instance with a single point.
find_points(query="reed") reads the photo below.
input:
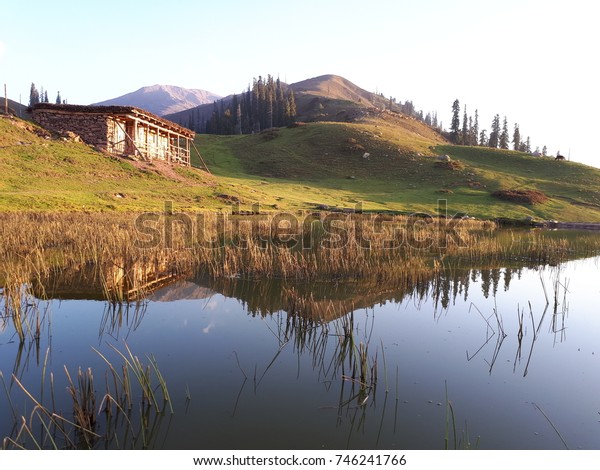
(21, 308)
(464, 441)
(111, 424)
(125, 258)
(84, 406)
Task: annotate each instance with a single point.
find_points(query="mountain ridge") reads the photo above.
(163, 99)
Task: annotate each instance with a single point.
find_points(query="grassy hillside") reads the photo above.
(322, 163)
(301, 167)
(42, 173)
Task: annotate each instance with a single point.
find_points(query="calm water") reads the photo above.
(243, 374)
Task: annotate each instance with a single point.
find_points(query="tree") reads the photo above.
(291, 107)
(475, 130)
(455, 123)
(483, 140)
(503, 140)
(465, 128)
(58, 99)
(34, 95)
(263, 105)
(544, 151)
(516, 137)
(495, 132)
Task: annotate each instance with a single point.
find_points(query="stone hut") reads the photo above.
(119, 130)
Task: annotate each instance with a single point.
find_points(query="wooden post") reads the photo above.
(169, 156)
(147, 155)
(187, 151)
(135, 133)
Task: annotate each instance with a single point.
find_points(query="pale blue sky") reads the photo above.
(531, 60)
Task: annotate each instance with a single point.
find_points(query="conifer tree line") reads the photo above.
(263, 105)
(41, 96)
(408, 108)
(469, 133)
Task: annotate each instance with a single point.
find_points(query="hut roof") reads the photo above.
(116, 110)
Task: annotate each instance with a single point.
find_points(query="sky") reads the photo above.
(532, 61)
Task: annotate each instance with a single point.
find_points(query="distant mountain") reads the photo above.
(323, 98)
(163, 99)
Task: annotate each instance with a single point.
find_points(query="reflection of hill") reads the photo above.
(326, 301)
(180, 290)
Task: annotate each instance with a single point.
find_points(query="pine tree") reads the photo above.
(516, 138)
(255, 113)
(476, 128)
(483, 140)
(455, 124)
(46, 100)
(465, 129)
(269, 107)
(470, 139)
(528, 145)
(58, 99)
(238, 119)
(34, 95)
(503, 141)
(279, 104)
(544, 151)
(291, 107)
(495, 132)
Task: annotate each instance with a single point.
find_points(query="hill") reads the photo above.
(163, 99)
(323, 164)
(323, 98)
(42, 173)
(333, 98)
(381, 160)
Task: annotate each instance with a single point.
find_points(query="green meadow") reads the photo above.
(385, 163)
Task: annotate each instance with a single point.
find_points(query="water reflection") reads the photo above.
(360, 364)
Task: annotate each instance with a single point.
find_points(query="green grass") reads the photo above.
(297, 168)
(315, 164)
(50, 174)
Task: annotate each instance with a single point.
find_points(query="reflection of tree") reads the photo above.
(495, 324)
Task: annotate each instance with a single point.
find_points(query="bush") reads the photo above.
(523, 196)
(452, 165)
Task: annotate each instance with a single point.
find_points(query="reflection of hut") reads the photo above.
(119, 130)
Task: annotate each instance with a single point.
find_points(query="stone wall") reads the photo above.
(92, 128)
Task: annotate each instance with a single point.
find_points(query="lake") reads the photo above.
(503, 357)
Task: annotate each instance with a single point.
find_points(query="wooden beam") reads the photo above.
(129, 137)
